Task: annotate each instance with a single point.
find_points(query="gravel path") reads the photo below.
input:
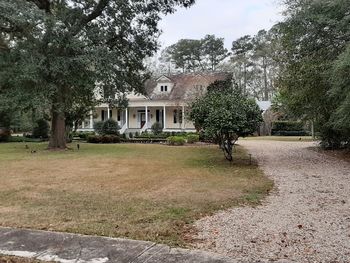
(305, 219)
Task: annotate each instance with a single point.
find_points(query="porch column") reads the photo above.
(146, 117)
(127, 118)
(164, 118)
(91, 120)
(83, 124)
(183, 117)
(108, 113)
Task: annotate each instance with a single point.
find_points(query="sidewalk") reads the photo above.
(73, 248)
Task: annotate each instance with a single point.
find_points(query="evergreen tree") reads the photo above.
(61, 50)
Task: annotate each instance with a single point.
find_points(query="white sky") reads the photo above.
(229, 19)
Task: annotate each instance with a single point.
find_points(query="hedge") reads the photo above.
(176, 140)
(290, 133)
(103, 139)
(287, 126)
(192, 138)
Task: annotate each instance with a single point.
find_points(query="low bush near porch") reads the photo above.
(139, 191)
(176, 140)
(103, 139)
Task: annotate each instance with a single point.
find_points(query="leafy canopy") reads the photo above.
(225, 114)
(313, 81)
(196, 55)
(64, 52)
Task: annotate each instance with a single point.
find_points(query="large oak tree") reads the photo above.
(60, 51)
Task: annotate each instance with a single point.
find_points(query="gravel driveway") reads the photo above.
(305, 219)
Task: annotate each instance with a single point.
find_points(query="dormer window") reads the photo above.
(164, 88)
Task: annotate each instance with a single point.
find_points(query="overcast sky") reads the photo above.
(229, 19)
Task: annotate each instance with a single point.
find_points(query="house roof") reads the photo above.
(184, 85)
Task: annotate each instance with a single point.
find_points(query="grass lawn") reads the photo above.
(147, 192)
(281, 138)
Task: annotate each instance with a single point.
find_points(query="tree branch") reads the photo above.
(88, 18)
(42, 4)
(96, 12)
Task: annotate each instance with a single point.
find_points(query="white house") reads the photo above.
(166, 102)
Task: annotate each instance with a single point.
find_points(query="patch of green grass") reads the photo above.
(147, 192)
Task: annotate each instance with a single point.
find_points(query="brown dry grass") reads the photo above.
(11, 259)
(148, 192)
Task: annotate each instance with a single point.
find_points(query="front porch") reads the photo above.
(141, 118)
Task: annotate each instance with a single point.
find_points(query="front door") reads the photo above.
(142, 119)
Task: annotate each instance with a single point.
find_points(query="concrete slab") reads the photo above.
(73, 248)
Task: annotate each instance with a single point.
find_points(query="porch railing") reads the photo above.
(123, 129)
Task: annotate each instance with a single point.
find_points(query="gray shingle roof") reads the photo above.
(185, 85)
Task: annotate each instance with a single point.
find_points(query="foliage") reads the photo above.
(54, 52)
(41, 129)
(110, 127)
(82, 135)
(254, 63)
(314, 38)
(157, 128)
(287, 126)
(176, 140)
(340, 92)
(103, 139)
(192, 138)
(225, 114)
(23, 139)
(131, 135)
(98, 127)
(289, 133)
(196, 55)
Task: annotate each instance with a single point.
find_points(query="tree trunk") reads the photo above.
(266, 91)
(245, 79)
(58, 131)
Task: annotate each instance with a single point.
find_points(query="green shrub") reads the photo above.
(83, 135)
(287, 126)
(98, 127)
(110, 139)
(110, 127)
(205, 138)
(94, 139)
(41, 129)
(22, 139)
(131, 135)
(192, 138)
(103, 139)
(290, 133)
(176, 140)
(157, 128)
(137, 134)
